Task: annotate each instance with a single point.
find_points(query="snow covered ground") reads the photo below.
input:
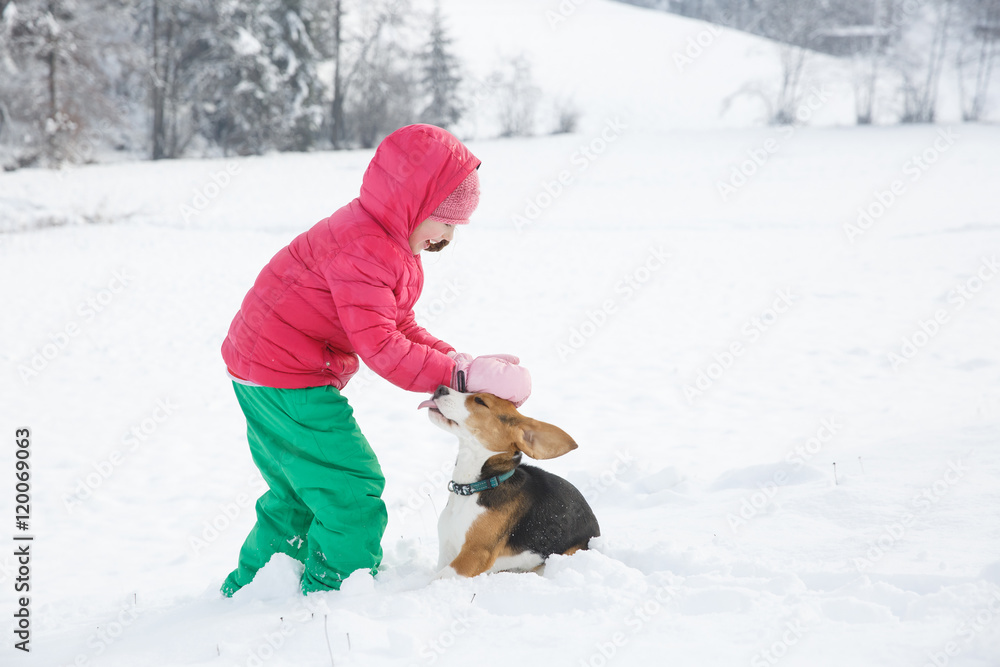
(714, 358)
(718, 315)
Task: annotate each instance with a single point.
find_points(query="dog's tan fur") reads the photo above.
(498, 425)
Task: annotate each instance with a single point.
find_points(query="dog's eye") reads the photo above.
(480, 401)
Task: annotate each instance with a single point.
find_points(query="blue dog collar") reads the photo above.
(482, 485)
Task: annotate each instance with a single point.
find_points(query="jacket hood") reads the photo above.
(414, 169)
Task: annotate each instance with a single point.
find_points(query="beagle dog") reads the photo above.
(501, 515)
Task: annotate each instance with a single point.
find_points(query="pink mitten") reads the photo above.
(495, 374)
(510, 358)
(462, 356)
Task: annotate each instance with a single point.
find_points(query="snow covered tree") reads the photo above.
(7, 70)
(517, 97)
(338, 129)
(795, 24)
(331, 35)
(381, 100)
(374, 88)
(927, 30)
(863, 31)
(259, 90)
(183, 47)
(54, 88)
(382, 85)
(441, 78)
(980, 46)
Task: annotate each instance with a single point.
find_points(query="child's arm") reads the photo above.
(360, 283)
(418, 334)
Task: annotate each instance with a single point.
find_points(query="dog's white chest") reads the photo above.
(459, 514)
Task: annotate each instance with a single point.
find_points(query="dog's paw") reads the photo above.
(447, 573)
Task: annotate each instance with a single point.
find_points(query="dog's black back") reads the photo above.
(555, 516)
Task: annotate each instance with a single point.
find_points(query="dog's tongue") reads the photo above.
(429, 403)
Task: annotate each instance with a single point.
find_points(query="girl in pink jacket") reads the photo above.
(343, 291)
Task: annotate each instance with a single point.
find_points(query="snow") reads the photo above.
(671, 71)
(713, 353)
(246, 44)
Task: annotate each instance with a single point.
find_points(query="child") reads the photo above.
(342, 290)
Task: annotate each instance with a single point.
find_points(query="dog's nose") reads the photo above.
(441, 391)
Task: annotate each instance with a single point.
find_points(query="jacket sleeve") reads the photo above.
(418, 334)
(361, 285)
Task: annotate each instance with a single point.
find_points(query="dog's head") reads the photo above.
(496, 424)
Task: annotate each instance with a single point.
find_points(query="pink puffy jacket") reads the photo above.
(346, 288)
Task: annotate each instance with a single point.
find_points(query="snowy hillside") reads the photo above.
(660, 70)
(776, 348)
(605, 58)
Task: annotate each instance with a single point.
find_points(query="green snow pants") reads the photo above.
(324, 505)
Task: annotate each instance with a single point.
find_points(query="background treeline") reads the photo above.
(168, 78)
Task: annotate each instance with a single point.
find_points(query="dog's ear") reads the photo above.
(543, 441)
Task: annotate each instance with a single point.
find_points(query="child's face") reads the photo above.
(431, 235)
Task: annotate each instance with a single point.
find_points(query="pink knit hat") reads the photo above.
(456, 209)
